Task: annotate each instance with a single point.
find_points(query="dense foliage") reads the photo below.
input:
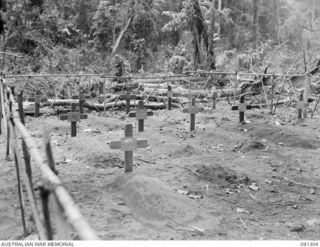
(73, 35)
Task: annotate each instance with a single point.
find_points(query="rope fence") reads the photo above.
(57, 204)
(186, 78)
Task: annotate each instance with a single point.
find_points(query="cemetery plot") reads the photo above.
(259, 180)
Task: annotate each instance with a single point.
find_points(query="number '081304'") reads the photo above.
(307, 244)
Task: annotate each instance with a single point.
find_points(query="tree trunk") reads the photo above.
(313, 15)
(211, 58)
(120, 36)
(198, 29)
(255, 22)
(220, 9)
(277, 19)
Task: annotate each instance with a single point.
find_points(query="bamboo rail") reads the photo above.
(186, 75)
(70, 210)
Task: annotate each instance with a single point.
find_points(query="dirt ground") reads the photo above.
(225, 181)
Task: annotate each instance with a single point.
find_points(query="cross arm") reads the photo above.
(128, 144)
(149, 113)
(126, 96)
(193, 110)
(83, 116)
(249, 107)
(132, 114)
(234, 108)
(185, 110)
(42, 100)
(141, 114)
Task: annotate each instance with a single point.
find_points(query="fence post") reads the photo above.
(8, 130)
(44, 195)
(26, 155)
(14, 147)
(3, 106)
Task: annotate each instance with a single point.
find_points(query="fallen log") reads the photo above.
(125, 86)
(196, 93)
(170, 80)
(100, 107)
(153, 98)
(162, 86)
(179, 91)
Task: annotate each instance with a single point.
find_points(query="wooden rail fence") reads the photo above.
(58, 216)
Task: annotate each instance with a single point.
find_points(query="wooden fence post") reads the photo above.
(26, 155)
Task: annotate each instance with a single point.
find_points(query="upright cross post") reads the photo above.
(128, 144)
(141, 114)
(170, 95)
(301, 106)
(193, 110)
(128, 97)
(272, 93)
(242, 107)
(82, 98)
(101, 91)
(214, 99)
(12, 90)
(37, 99)
(73, 117)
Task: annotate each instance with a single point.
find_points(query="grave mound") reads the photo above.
(256, 116)
(105, 161)
(184, 151)
(221, 176)
(285, 136)
(154, 202)
(252, 146)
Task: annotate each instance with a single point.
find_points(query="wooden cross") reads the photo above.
(193, 110)
(127, 97)
(214, 99)
(73, 117)
(170, 95)
(82, 98)
(242, 107)
(101, 92)
(141, 114)
(128, 144)
(301, 106)
(37, 99)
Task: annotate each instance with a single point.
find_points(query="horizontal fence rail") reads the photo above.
(52, 192)
(185, 75)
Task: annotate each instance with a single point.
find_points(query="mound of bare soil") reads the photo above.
(184, 151)
(104, 161)
(286, 137)
(221, 176)
(151, 200)
(252, 146)
(256, 116)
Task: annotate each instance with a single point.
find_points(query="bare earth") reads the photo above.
(224, 182)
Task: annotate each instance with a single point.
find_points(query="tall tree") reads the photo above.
(211, 57)
(198, 29)
(255, 22)
(82, 18)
